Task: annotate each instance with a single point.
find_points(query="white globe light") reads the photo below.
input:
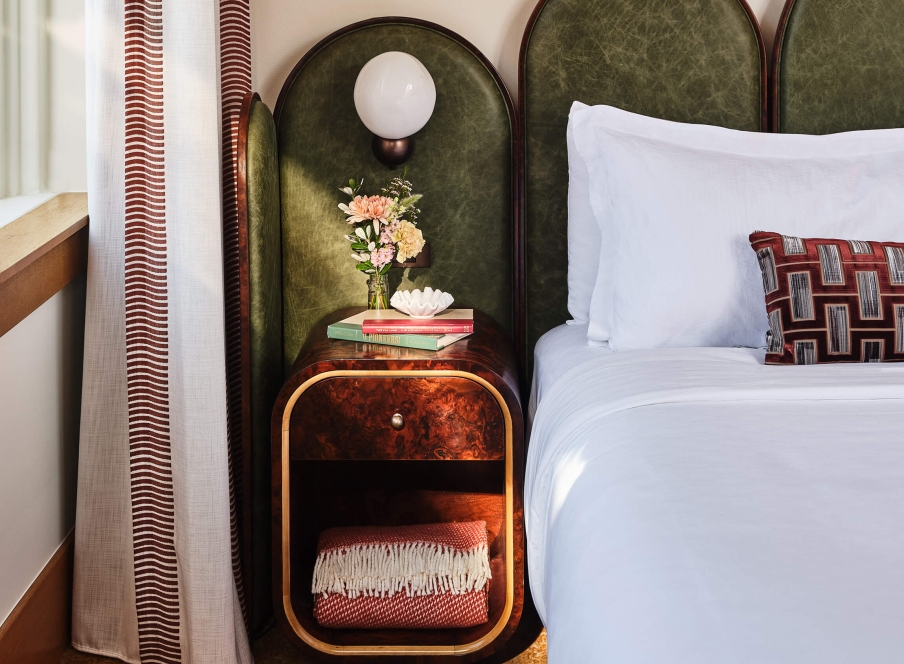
(394, 95)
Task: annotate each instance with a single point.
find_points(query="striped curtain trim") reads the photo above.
(235, 83)
(147, 342)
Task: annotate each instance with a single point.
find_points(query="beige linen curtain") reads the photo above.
(156, 576)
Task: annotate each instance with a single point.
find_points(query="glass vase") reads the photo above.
(377, 287)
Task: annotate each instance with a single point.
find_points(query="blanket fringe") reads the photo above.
(417, 568)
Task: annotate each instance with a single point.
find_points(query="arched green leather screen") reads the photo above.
(840, 66)
(259, 240)
(695, 61)
(462, 164)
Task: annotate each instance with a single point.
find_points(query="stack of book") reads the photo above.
(393, 328)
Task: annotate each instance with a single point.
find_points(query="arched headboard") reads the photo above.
(463, 164)
(839, 66)
(700, 61)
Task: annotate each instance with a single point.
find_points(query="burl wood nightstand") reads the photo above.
(376, 435)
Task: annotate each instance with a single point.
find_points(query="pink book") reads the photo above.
(390, 321)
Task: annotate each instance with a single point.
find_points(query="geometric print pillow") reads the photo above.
(832, 300)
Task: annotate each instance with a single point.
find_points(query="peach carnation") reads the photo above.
(367, 208)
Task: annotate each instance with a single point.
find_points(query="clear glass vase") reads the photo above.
(377, 288)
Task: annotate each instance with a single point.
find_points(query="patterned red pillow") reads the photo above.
(832, 300)
(428, 576)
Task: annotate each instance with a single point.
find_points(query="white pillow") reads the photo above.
(583, 233)
(680, 200)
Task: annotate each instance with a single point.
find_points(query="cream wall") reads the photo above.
(283, 30)
(40, 388)
(40, 358)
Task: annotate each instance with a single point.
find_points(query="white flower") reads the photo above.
(359, 232)
(360, 257)
(371, 246)
(347, 190)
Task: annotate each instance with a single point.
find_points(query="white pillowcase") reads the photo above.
(679, 201)
(583, 232)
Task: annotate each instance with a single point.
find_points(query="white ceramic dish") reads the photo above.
(421, 305)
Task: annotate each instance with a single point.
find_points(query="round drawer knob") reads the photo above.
(397, 422)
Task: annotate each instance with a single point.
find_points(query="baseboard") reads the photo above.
(38, 629)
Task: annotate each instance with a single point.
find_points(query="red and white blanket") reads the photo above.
(426, 576)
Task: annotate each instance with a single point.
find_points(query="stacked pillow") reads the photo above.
(660, 213)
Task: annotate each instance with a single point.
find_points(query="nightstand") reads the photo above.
(365, 434)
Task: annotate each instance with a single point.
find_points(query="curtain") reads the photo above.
(156, 571)
(24, 99)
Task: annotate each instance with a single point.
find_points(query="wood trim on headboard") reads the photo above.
(245, 531)
(518, 314)
(776, 64)
(764, 66)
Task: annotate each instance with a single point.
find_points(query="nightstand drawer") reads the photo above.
(375, 417)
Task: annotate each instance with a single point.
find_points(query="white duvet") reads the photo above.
(696, 506)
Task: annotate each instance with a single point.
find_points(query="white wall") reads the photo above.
(283, 30)
(40, 387)
(40, 358)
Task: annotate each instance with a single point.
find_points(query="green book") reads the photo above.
(350, 330)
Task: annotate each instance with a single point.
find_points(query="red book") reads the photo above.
(389, 321)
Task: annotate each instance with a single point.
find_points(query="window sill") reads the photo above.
(40, 253)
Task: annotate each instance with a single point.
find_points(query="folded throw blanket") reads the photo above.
(427, 576)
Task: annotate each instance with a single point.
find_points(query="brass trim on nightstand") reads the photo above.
(376, 650)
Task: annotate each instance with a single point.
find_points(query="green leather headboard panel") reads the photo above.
(840, 66)
(462, 164)
(259, 252)
(698, 61)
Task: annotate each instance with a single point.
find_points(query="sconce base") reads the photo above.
(393, 153)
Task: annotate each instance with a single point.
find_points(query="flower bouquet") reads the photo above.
(384, 230)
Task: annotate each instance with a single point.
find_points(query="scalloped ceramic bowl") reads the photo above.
(421, 305)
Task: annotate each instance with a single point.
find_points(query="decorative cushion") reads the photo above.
(427, 576)
(832, 300)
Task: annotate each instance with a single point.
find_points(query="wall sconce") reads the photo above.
(394, 97)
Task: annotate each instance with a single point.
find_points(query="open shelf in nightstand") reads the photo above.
(326, 494)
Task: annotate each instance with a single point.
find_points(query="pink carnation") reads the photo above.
(388, 232)
(382, 256)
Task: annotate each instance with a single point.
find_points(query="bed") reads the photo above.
(693, 504)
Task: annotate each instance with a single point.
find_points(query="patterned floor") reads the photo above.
(273, 648)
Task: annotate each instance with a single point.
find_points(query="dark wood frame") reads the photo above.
(518, 311)
(246, 535)
(776, 64)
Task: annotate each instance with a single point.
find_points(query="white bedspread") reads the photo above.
(695, 506)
